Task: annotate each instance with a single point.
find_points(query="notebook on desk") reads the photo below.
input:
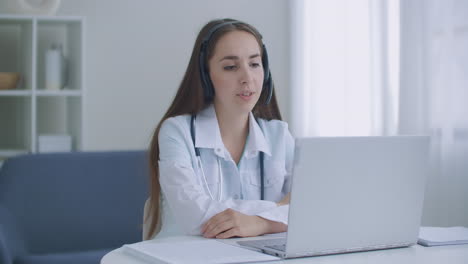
(353, 194)
(203, 251)
(441, 236)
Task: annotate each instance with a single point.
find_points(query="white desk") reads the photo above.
(457, 254)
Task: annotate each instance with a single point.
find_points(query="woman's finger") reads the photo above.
(215, 220)
(220, 228)
(233, 232)
(212, 221)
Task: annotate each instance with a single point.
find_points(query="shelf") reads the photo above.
(60, 115)
(16, 49)
(68, 35)
(40, 18)
(14, 19)
(16, 122)
(41, 93)
(15, 93)
(7, 153)
(61, 20)
(30, 110)
(59, 93)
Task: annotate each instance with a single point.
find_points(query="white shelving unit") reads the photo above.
(30, 110)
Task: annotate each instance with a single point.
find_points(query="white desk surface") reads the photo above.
(454, 254)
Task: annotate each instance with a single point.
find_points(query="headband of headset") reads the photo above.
(208, 88)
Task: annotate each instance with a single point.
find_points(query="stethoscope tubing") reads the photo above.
(220, 172)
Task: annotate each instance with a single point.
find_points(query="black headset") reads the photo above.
(208, 89)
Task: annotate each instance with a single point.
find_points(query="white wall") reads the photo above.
(137, 52)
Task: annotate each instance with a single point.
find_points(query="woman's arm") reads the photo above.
(183, 189)
(231, 223)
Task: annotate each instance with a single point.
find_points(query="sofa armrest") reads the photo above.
(11, 243)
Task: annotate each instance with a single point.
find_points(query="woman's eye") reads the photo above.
(255, 65)
(229, 67)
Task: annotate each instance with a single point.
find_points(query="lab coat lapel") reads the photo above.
(256, 141)
(207, 134)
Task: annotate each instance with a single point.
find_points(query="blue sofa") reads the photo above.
(70, 207)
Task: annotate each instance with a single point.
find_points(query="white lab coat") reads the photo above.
(185, 200)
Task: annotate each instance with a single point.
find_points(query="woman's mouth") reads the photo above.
(245, 95)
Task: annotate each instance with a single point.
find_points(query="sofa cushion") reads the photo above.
(66, 202)
(84, 257)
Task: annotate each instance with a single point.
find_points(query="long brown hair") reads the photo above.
(190, 99)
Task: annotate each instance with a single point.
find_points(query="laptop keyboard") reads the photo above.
(277, 243)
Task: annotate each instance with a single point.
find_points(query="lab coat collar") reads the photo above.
(208, 135)
(256, 141)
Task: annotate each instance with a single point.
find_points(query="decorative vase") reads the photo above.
(55, 68)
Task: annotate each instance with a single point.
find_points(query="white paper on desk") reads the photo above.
(433, 236)
(202, 252)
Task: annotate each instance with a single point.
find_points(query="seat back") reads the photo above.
(76, 201)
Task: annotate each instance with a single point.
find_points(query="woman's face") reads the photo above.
(236, 72)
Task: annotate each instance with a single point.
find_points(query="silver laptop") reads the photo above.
(353, 194)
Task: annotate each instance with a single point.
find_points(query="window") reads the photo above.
(345, 63)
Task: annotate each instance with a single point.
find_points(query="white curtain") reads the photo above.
(385, 67)
(344, 67)
(434, 100)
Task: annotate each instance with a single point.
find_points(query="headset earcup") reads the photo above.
(268, 86)
(267, 82)
(208, 90)
(209, 87)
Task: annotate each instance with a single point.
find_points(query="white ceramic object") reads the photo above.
(54, 68)
(29, 7)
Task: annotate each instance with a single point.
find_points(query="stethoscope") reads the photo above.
(220, 172)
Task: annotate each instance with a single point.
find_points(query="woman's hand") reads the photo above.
(231, 223)
(285, 200)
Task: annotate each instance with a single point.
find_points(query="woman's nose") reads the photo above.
(246, 75)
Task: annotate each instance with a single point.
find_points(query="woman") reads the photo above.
(221, 159)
